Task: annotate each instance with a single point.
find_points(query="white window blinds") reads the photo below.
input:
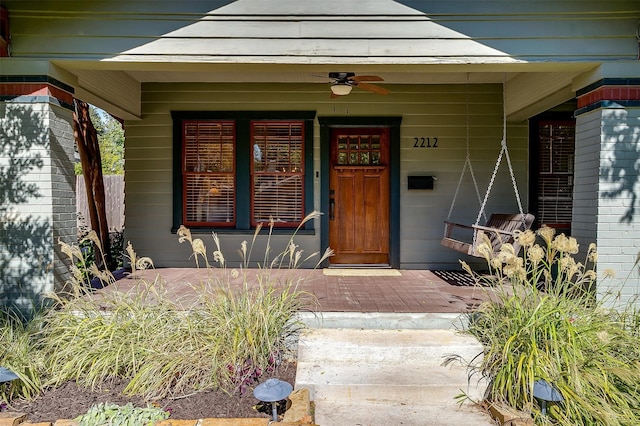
(555, 179)
(277, 172)
(209, 173)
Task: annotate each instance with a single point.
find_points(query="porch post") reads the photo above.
(606, 206)
(37, 188)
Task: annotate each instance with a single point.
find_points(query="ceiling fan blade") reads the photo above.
(373, 88)
(360, 78)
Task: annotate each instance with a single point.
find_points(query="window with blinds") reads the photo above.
(555, 176)
(277, 172)
(209, 173)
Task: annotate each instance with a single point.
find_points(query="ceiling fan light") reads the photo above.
(341, 89)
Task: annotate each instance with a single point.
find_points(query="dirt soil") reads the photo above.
(69, 401)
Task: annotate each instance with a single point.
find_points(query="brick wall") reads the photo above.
(38, 203)
(587, 160)
(63, 183)
(606, 202)
(618, 213)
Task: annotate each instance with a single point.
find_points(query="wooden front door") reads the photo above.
(359, 196)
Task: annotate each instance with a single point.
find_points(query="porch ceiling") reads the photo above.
(148, 72)
(531, 88)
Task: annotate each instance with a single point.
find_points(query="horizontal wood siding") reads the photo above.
(427, 111)
(367, 31)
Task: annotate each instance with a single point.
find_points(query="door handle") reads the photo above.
(332, 208)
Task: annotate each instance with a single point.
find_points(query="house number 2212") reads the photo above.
(425, 142)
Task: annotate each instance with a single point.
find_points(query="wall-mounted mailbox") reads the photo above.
(420, 182)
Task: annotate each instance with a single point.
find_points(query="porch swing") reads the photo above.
(501, 227)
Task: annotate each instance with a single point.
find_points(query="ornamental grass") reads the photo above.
(545, 322)
(224, 341)
(19, 354)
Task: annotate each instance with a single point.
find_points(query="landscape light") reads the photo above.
(7, 375)
(545, 393)
(272, 390)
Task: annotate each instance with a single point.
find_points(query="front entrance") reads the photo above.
(359, 170)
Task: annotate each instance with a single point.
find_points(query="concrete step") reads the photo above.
(420, 347)
(387, 377)
(363, 414)
(372, 373)
(442, 395)
(417, 384)
(383, 320)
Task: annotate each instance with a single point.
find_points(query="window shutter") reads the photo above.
(277, 165)
(209, 173)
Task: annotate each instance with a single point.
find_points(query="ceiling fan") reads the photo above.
(343, 82)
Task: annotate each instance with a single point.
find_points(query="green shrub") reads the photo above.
(91, 250)
(544, 322)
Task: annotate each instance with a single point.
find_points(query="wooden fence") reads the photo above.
(114, 200)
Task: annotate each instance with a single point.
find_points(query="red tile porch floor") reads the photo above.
(409, 291)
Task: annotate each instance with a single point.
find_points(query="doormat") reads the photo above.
(459, 278)
(361, 272)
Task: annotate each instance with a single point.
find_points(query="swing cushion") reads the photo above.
(499, 228)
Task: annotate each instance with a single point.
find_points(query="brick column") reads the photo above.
(37, 187)
(607, 182)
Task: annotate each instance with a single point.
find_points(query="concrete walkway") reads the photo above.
(393, 376)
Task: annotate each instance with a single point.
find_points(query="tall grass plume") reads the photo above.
(544, 322)
(237, 329)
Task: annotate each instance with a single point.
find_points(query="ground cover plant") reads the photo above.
(127, 415)
(149, 342)
(545, 322)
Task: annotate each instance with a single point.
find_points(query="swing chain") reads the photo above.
(467, 163)
(503, 150)
(493, 178)
(513, 181)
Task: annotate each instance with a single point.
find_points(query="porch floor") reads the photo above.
(335, 290)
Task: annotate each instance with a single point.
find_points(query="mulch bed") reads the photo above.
(70, 401)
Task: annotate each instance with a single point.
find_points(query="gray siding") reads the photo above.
(291, 31)
(427, 111)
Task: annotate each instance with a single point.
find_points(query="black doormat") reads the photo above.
(459, 278)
